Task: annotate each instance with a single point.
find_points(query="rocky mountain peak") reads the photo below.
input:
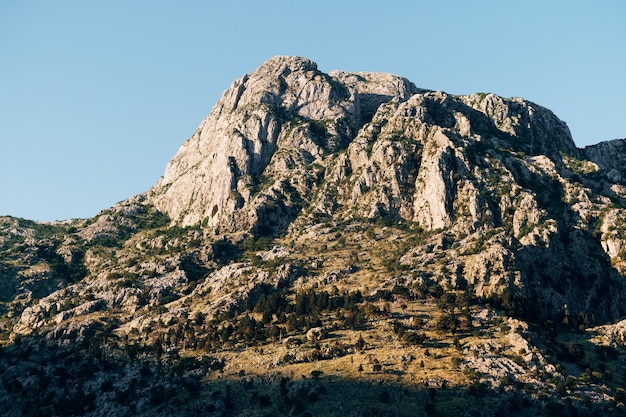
(348, 223)
(288, 145)
(286, 114)
(289, 117)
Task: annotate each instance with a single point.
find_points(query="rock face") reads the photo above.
(283, 116)
(288, 145)
(266, 143)
(307, 202)
(610, 157)
(259, 145)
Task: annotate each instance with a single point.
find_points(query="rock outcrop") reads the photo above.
(277, 120)
(609, 156)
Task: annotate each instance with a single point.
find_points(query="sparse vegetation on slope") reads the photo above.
(407, 253)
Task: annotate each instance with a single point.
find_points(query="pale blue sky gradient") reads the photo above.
(97, 96)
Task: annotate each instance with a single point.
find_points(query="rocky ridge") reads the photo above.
(309, 206)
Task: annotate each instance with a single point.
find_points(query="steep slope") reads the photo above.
(342, 224)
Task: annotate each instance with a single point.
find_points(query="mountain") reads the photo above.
(332, 243)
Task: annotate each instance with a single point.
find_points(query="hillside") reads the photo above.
(334, 244)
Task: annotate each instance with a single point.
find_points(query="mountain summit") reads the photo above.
(288, 116)
(276, 122)
(325, 239)
(288, 146)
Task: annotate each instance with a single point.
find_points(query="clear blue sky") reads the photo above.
(97, 96)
